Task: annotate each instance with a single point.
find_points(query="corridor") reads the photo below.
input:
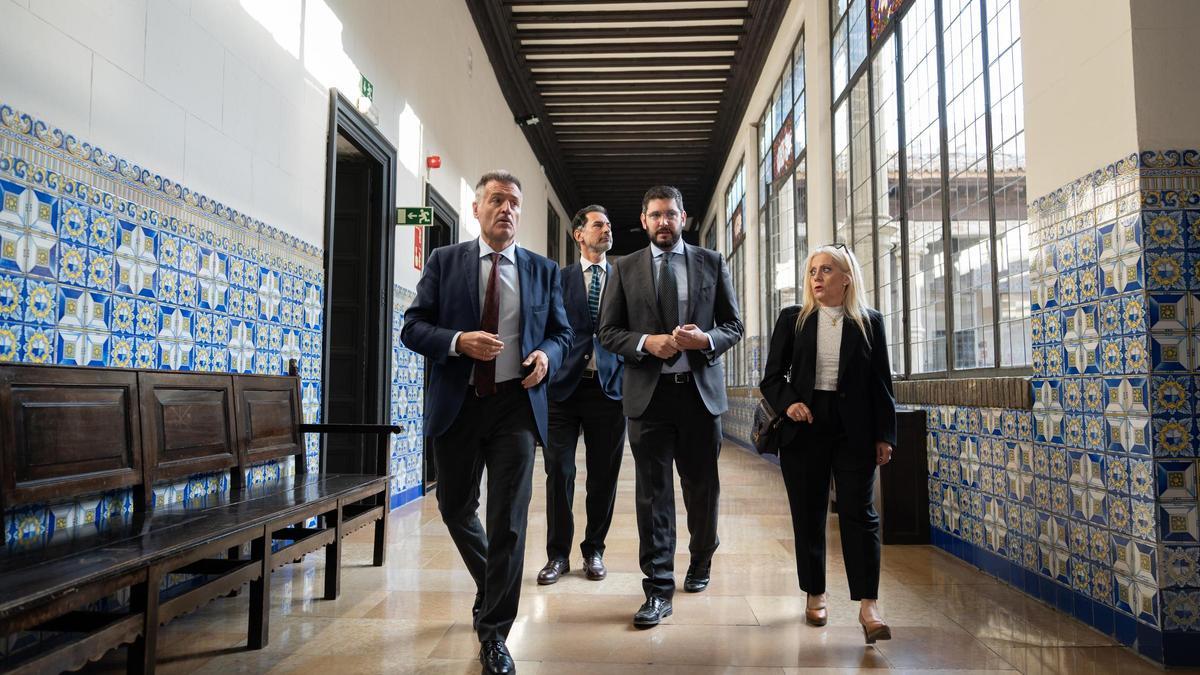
(411, 617)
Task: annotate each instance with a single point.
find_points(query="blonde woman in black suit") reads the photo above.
(828, 371)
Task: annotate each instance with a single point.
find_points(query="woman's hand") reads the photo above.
(883, 452)
(798, 412)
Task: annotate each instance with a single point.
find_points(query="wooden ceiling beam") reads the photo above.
(663, 77)
(627, 87)
(643, 117)
(627, 47)
(628, 129)
(630, 15)
(666, 63)
(645, 97)
(616, 33)
(624, 140)
(666, 106)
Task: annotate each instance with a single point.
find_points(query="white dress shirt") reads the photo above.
(678, 264)
(508, 361)
(590, 268)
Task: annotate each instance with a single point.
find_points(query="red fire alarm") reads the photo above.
(433, 161)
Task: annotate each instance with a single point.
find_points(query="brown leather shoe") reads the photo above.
(593, 566)
(815, 613)
(552, 571)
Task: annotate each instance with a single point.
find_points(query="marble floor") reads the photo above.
(413, 616)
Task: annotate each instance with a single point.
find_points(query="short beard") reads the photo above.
(601, 248)
(674, 240)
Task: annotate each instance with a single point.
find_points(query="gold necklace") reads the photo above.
(833, 318)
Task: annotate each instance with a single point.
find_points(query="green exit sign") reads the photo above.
(414, 215)
(367, 89)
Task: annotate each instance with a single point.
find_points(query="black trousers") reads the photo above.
(603, 425)
(676, 427)
(807, 464)
(497, 433)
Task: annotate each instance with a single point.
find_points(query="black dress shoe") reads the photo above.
(494, 657)
(697, 576)
(654, 610)
(593, 566)
(552, 571)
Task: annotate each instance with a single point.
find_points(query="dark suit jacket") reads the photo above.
(864, 389)
(585, 344)
(448, 302)
(630, 310)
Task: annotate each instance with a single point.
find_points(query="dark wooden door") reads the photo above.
(352, 302)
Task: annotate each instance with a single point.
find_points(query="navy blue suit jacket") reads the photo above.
(448, 302)
(608, 365)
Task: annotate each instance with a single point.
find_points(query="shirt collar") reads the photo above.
(657, 252)
(510, 253)
(587, 264)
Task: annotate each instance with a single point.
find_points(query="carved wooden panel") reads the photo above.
(187, 423)
(67, 431)
(268, 414)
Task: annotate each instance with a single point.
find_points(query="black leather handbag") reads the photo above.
(765, 429)
(767, 424)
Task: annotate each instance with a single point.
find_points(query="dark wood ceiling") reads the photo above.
(627, 95)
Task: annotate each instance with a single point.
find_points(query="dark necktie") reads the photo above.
(594, 295)
(668, 299)
(485, 371)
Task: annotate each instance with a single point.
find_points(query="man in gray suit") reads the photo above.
(670, 310)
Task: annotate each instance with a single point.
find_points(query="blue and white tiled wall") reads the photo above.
(408, 405)
(1089, 501)
(104, 263)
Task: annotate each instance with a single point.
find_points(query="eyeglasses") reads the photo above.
(841, 246)
(669, 216)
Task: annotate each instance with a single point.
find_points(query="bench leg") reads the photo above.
(143, 599)
(333, 555)
(381, 528)
(235, 553)
(258, 632)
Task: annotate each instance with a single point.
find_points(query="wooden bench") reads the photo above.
(71, 432)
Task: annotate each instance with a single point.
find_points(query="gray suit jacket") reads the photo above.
(630, 310)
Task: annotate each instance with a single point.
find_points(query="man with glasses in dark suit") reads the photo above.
(670, 311)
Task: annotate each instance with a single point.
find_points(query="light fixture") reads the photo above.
(527, 120)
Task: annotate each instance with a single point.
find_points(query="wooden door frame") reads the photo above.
(345, 119)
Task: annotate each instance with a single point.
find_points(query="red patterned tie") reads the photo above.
(485, 371)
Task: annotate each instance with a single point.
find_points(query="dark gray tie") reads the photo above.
(668, 299)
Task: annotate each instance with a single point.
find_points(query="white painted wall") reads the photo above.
(1166, 74)
(1079, 88)
(230, 97)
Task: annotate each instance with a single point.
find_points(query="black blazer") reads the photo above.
(864, 389)
(585, 344)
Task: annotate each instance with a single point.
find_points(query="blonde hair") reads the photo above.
(854, 304)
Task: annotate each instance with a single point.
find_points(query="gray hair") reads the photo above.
(497, 175)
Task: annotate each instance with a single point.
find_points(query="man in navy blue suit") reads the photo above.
(584, 394)
(489, 318)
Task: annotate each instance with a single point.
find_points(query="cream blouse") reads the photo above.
(830, 321)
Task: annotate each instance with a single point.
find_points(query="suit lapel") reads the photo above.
(849, 347)
(644, 268)
(804, 362)
(579, 281)
(525, 290)
(471, 264)
(695, 267)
